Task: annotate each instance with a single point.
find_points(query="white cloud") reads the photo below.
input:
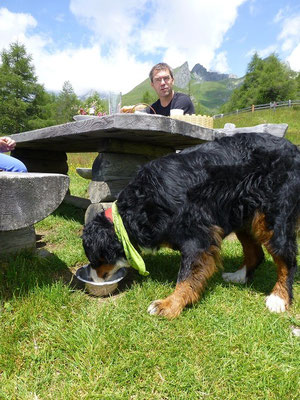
(86, 69)
(279, 16)
(263, 52)
(290, 33)
(60, 18)
(177, 31)
(287, 43)
(254, 7)
(123, 35)
(192, 33)
(267, 51)
(14, 26)
(221, 64)
(289, 39)
(113, 22)
(294, 59)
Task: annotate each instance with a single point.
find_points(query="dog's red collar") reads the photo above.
(108, 214)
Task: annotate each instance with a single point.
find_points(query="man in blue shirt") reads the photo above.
(162, 81)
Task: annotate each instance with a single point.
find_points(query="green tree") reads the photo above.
(20, 94)
(67, 104)
(94, 101)
(46, 111)
(267, 80)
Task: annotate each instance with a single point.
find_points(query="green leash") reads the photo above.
(132, 255)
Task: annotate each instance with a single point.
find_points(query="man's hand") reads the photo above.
(6, 144)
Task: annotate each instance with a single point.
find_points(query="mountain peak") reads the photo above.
(200, 73)
(182, 75)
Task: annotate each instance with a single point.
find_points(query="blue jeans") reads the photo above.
(11, 164)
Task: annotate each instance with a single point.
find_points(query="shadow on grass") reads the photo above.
(24, 271)
(264, 277)
(70, 212)
(164, 268)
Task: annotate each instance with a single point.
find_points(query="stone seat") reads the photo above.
(85, 173)
(25, 199)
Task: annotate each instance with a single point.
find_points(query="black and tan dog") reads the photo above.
(248, 184)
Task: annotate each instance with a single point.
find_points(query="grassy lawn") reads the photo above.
(57, 342)
(290, 116)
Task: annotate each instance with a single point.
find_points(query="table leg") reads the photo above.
(113, 169)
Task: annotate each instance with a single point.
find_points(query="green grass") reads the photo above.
(79, 185)
(290, 116)
(57, 342)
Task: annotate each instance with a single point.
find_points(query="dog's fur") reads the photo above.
(248, 184)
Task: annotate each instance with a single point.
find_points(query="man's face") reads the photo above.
(162, 82)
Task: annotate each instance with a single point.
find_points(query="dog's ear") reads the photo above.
(100, 241)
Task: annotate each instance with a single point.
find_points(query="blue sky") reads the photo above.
(111, 45)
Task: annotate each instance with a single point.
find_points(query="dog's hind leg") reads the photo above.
(253, 256)
(282, 294)
(282, 248)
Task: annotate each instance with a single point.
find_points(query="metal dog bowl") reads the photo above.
(100, 288)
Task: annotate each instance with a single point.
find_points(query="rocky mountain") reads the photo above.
(200, 73)
(182, 75)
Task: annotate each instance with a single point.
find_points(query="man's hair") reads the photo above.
(159, 67)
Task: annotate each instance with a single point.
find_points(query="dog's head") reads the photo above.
(102, 248)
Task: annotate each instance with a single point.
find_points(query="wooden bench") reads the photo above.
(25, 199)
(124, 143)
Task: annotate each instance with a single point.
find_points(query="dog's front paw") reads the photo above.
(275, 303)
(153, 308)
(167, 308)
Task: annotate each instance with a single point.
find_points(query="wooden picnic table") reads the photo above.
(124, 142)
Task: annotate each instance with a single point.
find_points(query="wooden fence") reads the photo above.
(272, 105)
